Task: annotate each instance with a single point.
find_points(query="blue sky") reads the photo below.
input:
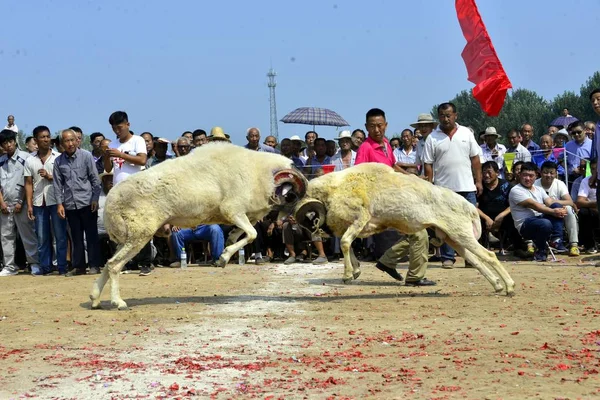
(182, 65)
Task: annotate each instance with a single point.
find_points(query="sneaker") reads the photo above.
(320, 260)
(540, 255)
(447, 264)
(36, 270)
(289, 260)
(574, 250)
(530, 249)
(176, 264)
(94, 270)
(591, 250)
(8, 272)
(259, 261)
(557, 246)
(74, 272)
(145, 270)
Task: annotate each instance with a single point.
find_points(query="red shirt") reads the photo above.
(371, 151)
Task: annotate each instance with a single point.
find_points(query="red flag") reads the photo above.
(483, 66)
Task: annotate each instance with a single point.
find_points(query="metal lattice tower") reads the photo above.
(274, 128)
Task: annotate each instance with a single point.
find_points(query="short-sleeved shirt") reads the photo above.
(12, 181)
(316, 164)
(336, 160)
(406, 158)
(557, 190)
(518, 194)
(451, 158)
(43, 189)
(586, 191)
(577, 152)
(521, 154)
(371, 151)
(493, 201)
(121, 168)
(540, 158)
(499, 158)
(532, 147)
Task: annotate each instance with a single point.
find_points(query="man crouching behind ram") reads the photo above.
(371, 197)
(218, 183)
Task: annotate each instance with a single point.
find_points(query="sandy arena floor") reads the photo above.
(294, 332)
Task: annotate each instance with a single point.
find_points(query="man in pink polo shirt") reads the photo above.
(377, 149)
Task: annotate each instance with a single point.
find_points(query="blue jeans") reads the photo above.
(211, 233)
(447, 252)
(45, 217)
(542, 228)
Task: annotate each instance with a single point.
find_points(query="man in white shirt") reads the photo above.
(425, 125)
(126, 156)
(41, 204)
(588, 212)
(559, 192)
(406, 154)
(11, 126)
(515, 146)
(492, 150)
(537, 217)
(452, 156)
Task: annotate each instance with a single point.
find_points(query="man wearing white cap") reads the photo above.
(346, 156)
(425, 124)
(493, 151)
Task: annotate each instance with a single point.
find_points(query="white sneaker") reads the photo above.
(8, 272)
(176, 264)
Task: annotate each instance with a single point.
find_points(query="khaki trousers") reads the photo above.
(417, 248)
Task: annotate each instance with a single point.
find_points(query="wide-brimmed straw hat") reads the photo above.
(490, 131)
(344, 135)
(424, 119)
(217, 134)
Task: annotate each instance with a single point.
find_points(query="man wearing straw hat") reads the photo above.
(217, 135)
(491, 149)
(425, 124)
(346, 157)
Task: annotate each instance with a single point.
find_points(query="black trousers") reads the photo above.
(80, 221)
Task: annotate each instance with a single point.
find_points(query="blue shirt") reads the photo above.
(315, 165)
(75, 180)
(577, 152)
(263, 147)
(539, 159)
(532, 147)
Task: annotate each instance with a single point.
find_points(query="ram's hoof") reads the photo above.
(510, 293)
(221, 263)
(356, 275)
(347, 281)
(96, 306)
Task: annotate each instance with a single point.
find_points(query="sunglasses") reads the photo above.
(576, 132)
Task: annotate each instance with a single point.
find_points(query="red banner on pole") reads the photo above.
(482, 62)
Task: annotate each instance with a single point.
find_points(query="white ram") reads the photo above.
(370, 198)
(219, 183)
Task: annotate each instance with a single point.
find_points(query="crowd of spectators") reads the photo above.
(531, 197)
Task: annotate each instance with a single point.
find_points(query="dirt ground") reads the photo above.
(293, 332)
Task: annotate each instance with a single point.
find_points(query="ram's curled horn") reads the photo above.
(290, 184)
(311, 214)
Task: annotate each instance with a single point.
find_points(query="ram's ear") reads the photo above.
(311, 214)
(290, 184)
